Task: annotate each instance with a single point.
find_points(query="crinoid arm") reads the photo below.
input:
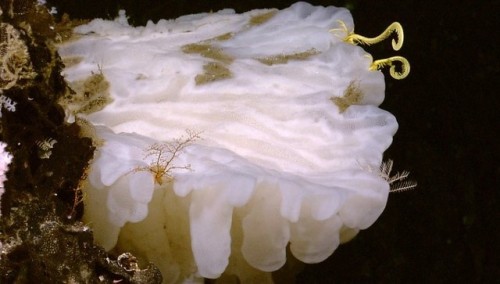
(405, 66)
(392, 28)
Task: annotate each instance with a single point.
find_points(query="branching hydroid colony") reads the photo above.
(164, 154)
(286, 145)
(397, 181)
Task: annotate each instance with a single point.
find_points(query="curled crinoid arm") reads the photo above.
(397, 182)
(394, 27)
(405, 66)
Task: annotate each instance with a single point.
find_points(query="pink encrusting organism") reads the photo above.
(5, 159)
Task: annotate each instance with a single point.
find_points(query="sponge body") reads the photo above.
(278, 162)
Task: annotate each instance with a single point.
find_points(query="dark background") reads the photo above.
(445, 230)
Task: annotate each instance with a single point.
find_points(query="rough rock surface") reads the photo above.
(41, 239)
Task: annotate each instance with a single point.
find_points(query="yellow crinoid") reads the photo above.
(395, 27)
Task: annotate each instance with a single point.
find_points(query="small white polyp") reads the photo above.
(278, 162)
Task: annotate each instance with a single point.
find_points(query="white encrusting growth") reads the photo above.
(277, 162)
